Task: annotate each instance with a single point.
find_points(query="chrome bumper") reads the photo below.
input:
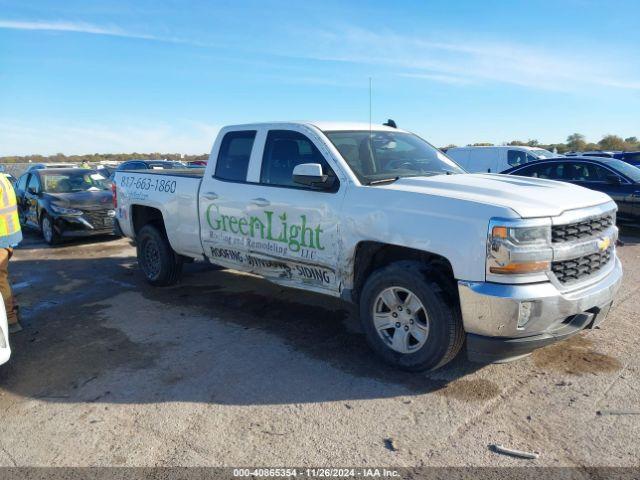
(495, 310)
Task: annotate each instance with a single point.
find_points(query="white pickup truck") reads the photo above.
(376, 215)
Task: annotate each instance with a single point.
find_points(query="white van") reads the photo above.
(496, 159)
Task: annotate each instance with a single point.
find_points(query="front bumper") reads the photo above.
(504, 322)
(79, 226)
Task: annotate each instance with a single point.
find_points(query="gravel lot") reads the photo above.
(227, 369)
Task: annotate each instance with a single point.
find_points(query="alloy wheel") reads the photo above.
(400, 319)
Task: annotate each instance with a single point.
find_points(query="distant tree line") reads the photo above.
(576, 142)
(100, 157)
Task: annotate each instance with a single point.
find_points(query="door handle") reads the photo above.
(210, 195)
(636, 193)
(261, 202)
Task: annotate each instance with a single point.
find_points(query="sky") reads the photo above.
(82, 76)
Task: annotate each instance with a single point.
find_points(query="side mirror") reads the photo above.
(32, 190)
(613, 179)
(310, 175)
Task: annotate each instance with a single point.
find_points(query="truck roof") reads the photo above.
(325, 126)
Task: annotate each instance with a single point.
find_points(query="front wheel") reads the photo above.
(407, 318)
(48, 230)
(159, 263)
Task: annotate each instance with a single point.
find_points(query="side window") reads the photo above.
(516, 157)
(234, 155)
(34, 182)
(21, 184)
(557, 171)
(577, 172)
(540, 171)
(284, 150)
(596, 173)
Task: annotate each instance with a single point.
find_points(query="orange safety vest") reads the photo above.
(10, 233)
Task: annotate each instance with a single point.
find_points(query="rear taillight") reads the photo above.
(115, 195)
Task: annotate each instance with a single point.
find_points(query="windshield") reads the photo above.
(542, 153)
(378, 156)
(68, 182)
(626, 169)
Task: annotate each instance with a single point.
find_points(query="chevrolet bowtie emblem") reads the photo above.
(604, 243)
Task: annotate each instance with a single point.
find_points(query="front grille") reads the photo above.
(99, 219)
(569, 271)
(582, 229)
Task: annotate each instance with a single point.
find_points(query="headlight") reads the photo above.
(65, 211)
(519, 250)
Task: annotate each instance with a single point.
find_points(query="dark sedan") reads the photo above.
(65, 202)
(620, 180)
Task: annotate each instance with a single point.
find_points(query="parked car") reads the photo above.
(379, 217)
(632, 158)
(150, 165)
(5, 348)
(616, 178)
(106, 170)
(197, 164)
(42, 166)
(495, 159)
(65, 202)
(599, 153)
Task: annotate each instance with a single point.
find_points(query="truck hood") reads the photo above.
(528, 197)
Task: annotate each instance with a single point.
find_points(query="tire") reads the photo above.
(160, 265)
(429, 336)
(49, 234)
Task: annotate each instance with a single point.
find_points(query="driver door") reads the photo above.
(30, 200)
(301, 243)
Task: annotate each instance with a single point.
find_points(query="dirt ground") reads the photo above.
(226, 369)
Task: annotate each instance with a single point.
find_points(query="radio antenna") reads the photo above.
(370, 134)
(369, 106)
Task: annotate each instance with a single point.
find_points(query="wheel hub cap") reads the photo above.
(151, 257)
(401, 319)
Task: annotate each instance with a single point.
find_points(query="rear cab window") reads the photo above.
(234, 155)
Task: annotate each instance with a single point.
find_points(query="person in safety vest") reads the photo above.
(10, 236)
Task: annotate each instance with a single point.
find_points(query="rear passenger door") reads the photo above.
(222, 200)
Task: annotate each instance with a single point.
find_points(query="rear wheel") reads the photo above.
(407, 318)
(159, 263)
(48, 230)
